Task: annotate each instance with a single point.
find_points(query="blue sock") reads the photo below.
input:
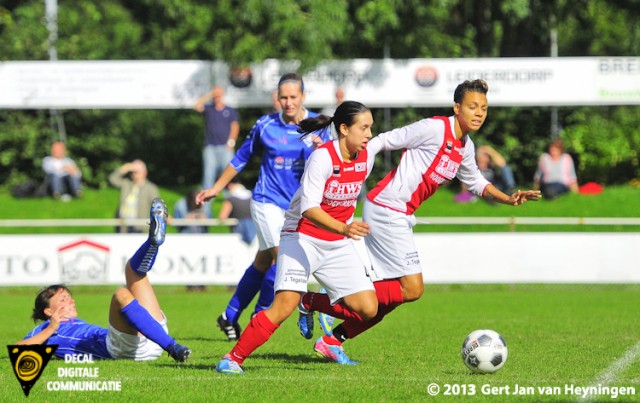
(248, 287)
(142, 261)
(266, 291)
(141, 319)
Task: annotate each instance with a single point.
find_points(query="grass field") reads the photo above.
(558, 336)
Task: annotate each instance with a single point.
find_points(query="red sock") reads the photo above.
(389, 293)
(256, 334)
(331, 340)
(352, 328)
(321, 303)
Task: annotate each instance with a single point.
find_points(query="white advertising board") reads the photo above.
(222, 259)
(377, 83)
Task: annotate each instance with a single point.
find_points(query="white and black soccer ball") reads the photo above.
(484, 351)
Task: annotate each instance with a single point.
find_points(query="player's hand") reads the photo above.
(204, 196)
(356, 230)
(522, 196)
(317, 141)
(59, 315)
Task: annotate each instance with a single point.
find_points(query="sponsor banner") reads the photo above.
(100, 259)
(377, 83)
(222, 259)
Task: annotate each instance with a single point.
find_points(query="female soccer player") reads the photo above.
(317, 235)
(137, 326)
(283, 161)
(437, 150)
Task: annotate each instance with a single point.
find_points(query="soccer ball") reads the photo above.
(484, 351)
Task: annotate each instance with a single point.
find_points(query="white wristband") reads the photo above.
(231, 143)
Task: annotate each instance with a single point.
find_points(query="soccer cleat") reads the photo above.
(231, 330)
(325, 320)
(179, 352)
(229, 367)
(334, 353)
(305, 321)
(158, 223)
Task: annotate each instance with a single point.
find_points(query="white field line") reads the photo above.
(612, 373)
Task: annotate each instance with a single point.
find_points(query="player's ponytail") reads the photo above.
(314, 124)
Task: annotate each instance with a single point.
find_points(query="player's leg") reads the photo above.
(144, 258)
(395, 265)
(349, 295)
(247, 288)
(291, 281)
(208, 166)
(135, 308)
(265, 298)
(268, 219)
(258, 331)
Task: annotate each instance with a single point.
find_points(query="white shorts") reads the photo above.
(390, 244)
(128, 346)
(335, 264)
(268, 219)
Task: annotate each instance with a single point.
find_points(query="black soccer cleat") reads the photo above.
(231, 330)
(179, 352)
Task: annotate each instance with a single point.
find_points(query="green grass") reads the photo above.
(557, 335)
(621, 201)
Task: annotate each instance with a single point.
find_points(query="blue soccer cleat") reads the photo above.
(158, 223)
(333, 353)
(305, 321)
(229, 367)
(325, 320)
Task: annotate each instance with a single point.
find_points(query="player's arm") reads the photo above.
(44, 335)
(318, 170)
(207, 194)
(516, 199)
(354, 230)
(40, 338)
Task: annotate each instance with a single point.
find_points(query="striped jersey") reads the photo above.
(432, 156)
(283, 157)
(331, 184)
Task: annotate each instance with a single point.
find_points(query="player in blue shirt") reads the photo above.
(284, 154)
(137, 326)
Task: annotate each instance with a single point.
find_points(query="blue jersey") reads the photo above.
(77, 337)
(283, 157)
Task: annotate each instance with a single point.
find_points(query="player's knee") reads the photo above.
(369, 310)
(412, 293)
(122, 296)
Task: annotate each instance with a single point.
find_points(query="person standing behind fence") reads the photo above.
(136, 192)
(220, 134)
(276, 139)
(63, 175)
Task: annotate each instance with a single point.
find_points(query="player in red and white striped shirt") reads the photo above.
(317, 235)
(438, 149)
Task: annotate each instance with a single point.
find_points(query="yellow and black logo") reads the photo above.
(28, 362)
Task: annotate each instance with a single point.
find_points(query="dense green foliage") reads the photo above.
(557, 335)
(603, 139)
